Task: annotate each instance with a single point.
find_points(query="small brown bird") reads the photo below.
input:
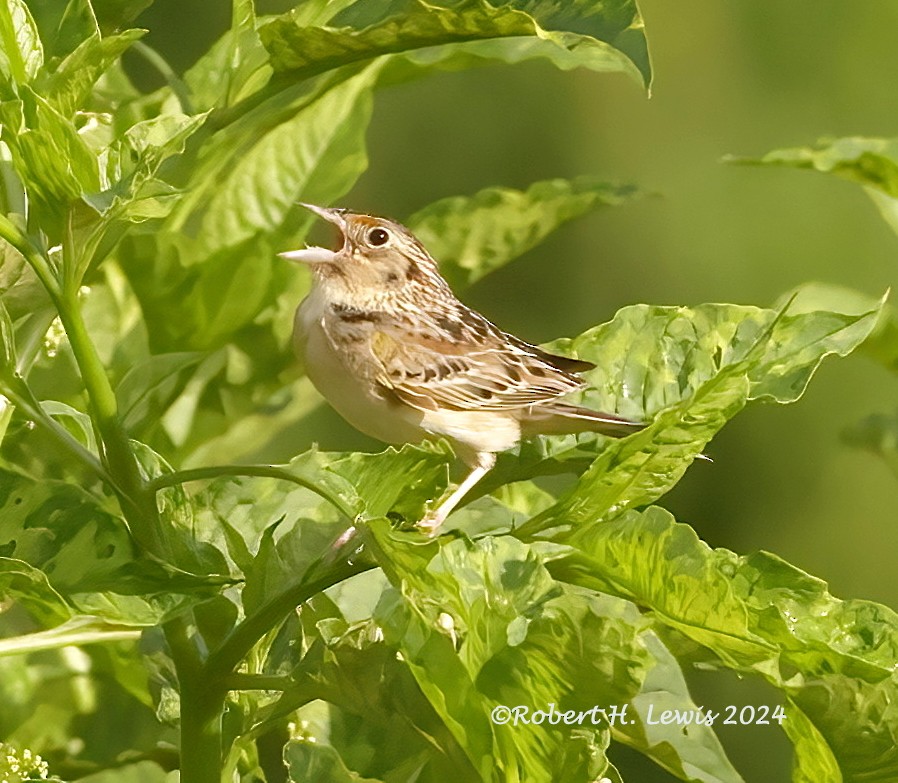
(386, 342)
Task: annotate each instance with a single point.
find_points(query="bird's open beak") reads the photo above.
(317, 255)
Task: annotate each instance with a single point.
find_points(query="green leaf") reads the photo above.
(873, 163)
(235, 67)
(690, 370)
(85, 555)
(30, 587)
(21, 53)
(483, 624)
(68, 87)
(833, 659)
(50, 157)
(609, 38)
(317, 154)
(66, 24)
(472, 236)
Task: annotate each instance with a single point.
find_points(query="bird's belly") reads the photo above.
(349, 395)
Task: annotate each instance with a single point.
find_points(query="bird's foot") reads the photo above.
(431, 522)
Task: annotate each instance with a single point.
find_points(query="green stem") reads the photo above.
(202, 707)
(138, 504)
(266, 471)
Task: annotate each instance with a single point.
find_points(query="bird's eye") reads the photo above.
(377, 237)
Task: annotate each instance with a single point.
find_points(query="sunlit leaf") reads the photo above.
(472, 236)
(484, 624)
(70, 84)
(872, 163)
(21, 52)
(688, 370)
(608, 38)
(835, 660)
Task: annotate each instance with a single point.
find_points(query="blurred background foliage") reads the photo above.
(742, 77)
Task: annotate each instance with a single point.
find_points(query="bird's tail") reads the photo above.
(561, 418)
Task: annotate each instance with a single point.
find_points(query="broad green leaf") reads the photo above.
(483, 624)
(692, 369)
(872, 163)
(86, 556)
(219, 245)
(235, 67)
(21, 52)
(50, 157)
(396, 481)
(68, 87)
(317, 154)
(66, 24)
(604, 39)
(472, 236)
(835, 660)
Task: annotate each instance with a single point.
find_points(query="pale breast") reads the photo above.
(371, 408)
(353, 398)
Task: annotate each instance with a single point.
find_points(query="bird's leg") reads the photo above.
(430, 524)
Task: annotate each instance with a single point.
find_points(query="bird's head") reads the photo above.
(378, 256)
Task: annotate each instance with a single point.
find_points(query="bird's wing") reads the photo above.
(458, 360)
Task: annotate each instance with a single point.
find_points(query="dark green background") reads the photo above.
(739, 77)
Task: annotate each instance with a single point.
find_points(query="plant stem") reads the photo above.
(202, 706)
(138, 503)
(267, 471)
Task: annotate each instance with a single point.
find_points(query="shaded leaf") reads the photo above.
(311, 761)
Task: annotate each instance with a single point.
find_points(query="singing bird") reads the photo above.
(392, 349)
